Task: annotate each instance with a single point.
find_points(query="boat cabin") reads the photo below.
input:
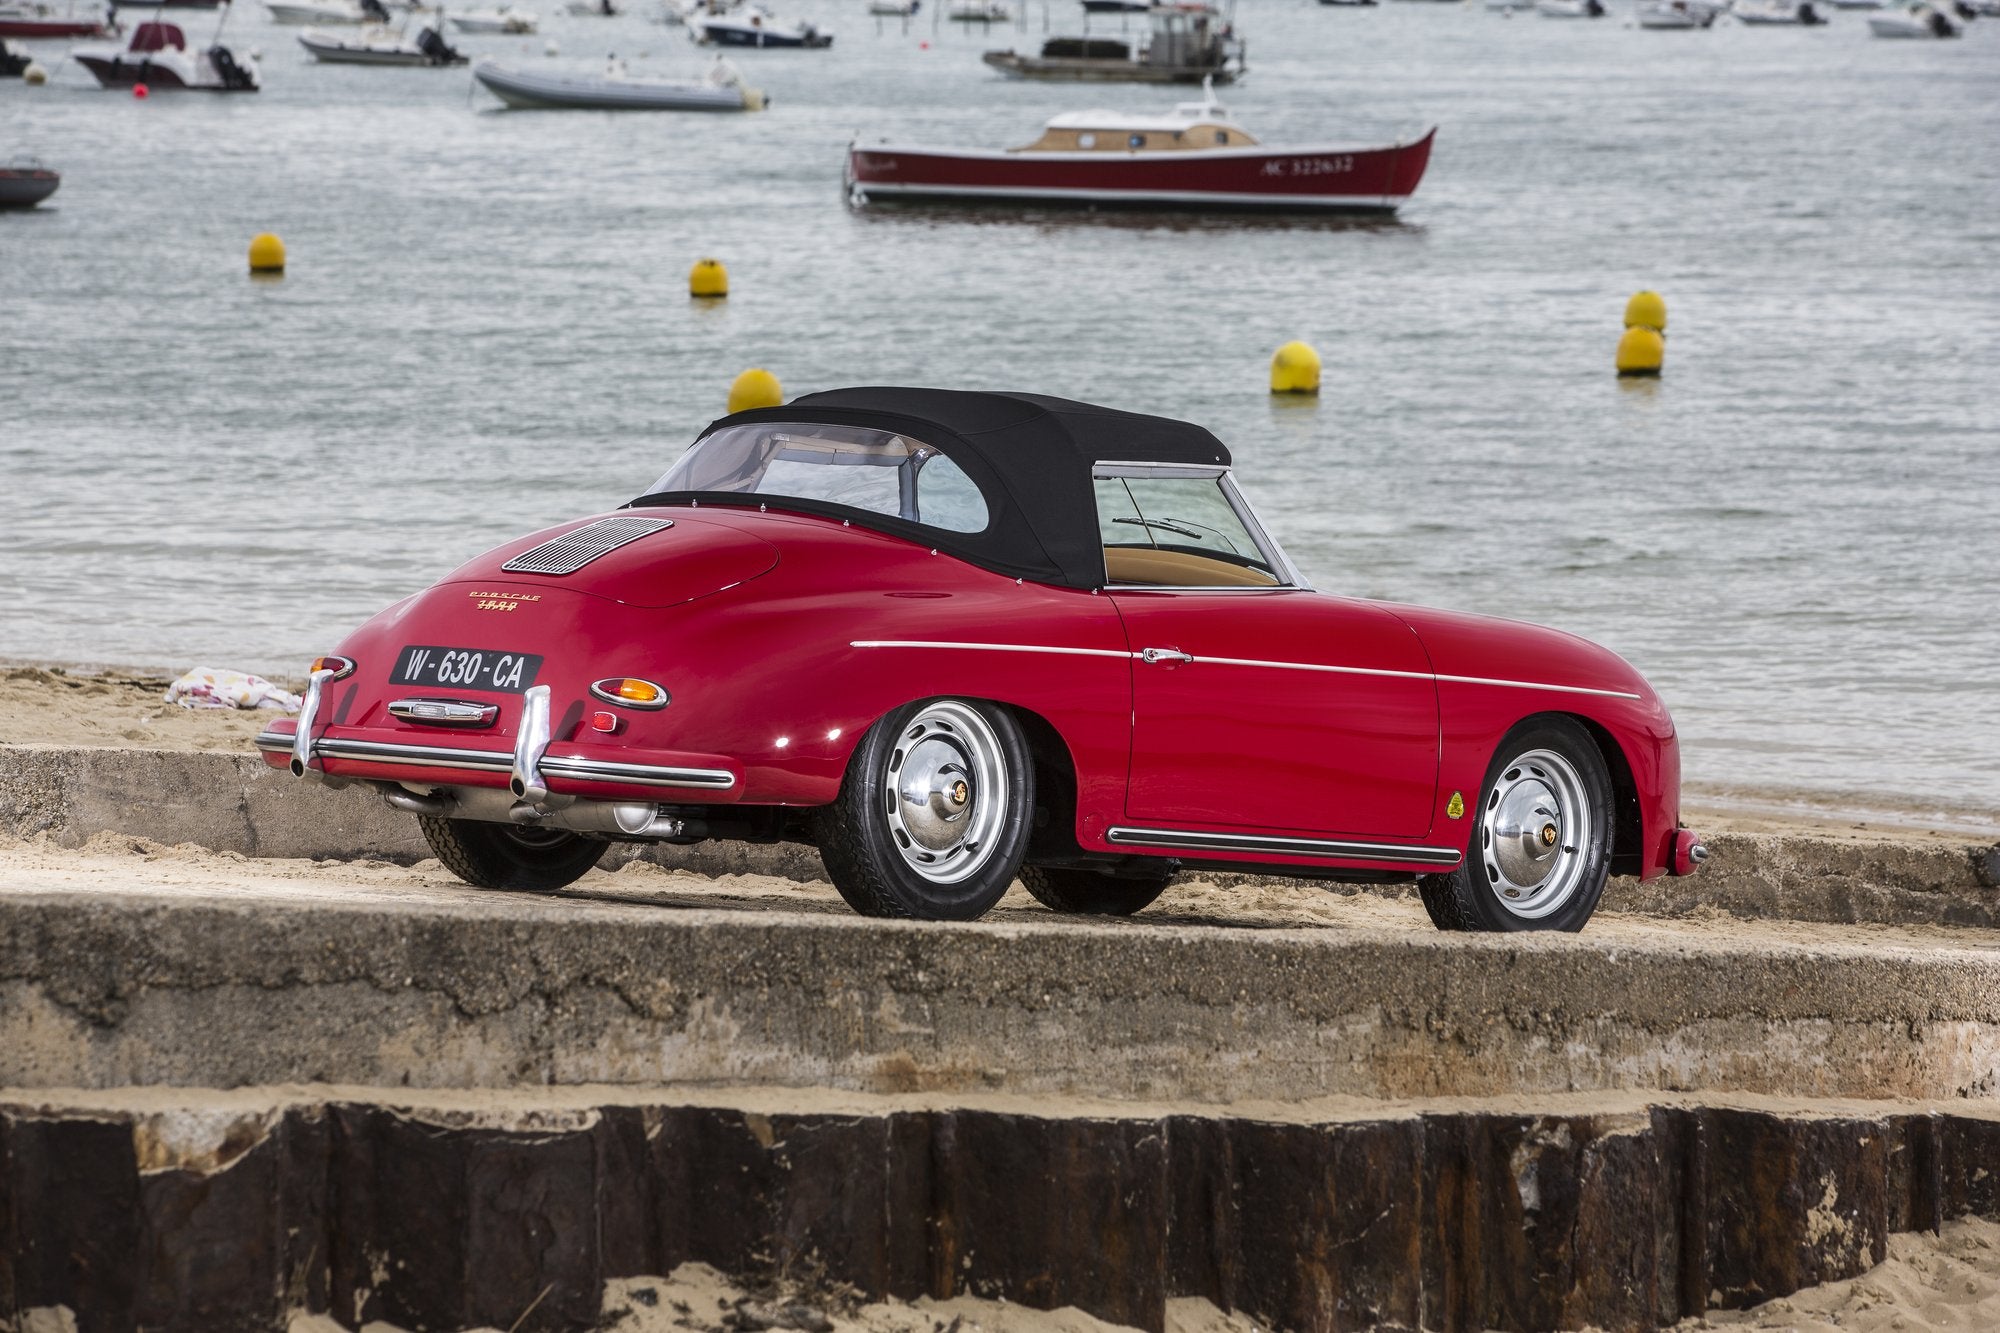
(1191, 125)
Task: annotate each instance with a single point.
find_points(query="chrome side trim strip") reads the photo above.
(1277, 846)
(989, 647)
(1417, 675)
(1537, 685)
(644, 775)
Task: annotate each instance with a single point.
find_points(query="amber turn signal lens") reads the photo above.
(630, 692)
(341, 667)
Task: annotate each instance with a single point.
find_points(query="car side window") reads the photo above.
(1176, 532)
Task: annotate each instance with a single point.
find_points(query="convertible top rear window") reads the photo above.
(876, 471)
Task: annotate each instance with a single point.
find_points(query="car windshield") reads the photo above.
(877, 471)
(1177, 531)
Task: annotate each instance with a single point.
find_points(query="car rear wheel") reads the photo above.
(934, 816)
(1540, 845)
(509, 856)
(1094, 893)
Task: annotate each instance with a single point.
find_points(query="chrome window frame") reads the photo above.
(1291, 579)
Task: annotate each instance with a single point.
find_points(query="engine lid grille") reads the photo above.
(579, 546)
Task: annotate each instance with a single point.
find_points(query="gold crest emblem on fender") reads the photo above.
(1455, 807)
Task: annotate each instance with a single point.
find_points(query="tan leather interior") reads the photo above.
(1178, 569)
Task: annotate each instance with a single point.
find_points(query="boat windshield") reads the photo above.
(876, 471)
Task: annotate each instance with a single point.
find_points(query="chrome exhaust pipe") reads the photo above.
(437, 803)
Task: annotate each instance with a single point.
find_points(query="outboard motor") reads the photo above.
(234, 76)
(1940, 24)
(436, 49)
(1594, 8)
(1808, 15)
(1966, 11)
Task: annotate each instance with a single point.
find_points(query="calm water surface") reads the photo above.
(485, 329)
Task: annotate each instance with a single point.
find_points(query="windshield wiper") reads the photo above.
(1167, 524)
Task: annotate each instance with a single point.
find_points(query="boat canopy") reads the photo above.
(1031, 458)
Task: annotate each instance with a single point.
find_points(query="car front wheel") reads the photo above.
(1540, 846)
(509, 856)
(933, 818)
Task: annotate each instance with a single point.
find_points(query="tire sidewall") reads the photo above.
(910, 892)
(1572, 742)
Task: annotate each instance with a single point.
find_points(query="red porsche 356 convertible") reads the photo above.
(954, 638)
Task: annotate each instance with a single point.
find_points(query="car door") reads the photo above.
(1258, 703)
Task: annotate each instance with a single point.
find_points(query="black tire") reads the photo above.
(1095, 893)
(875, 843)
(1549, 769)
(508, 856)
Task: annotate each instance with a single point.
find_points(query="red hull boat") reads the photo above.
(1195, 158)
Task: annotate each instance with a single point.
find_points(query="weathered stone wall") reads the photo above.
(439, 1220)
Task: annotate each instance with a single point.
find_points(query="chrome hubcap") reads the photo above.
(1536, 833)
(945, 792)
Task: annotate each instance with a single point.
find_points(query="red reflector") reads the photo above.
(602, 720)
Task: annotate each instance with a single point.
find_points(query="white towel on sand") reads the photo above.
(212, 687)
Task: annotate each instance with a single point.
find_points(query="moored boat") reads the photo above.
(25, 182)
(979, 11)
(755, 26)
(616, 90)
(1190, 42)
(381, 46)
(1917, 19)
(1777, 13)
(1116, 6)
(506, 19)
(1570, 9)
(34, 20)
(1197, 157)
(1677, 15)
(157, 56)
(893, 8)
(326, 13)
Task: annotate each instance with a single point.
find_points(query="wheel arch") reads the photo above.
(1628, 828)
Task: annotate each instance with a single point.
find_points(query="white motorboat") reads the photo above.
(1918, 19)
(980, 11)
(1777, 13)
(380, 45)
(1570, 9)
(326, 13)
(753, 25)
(1677, 15)
(614, 89)
(893, 8)
(506, 19)
(158, 57)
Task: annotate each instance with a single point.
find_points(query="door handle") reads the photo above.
(1164, 655)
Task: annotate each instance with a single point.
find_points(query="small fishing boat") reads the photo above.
(1677, 15)
(893, 8)
(325, 13)
(31, 20)
(380, 45)
(1777, 13)
(25, 182)
(1190, 42)
(753, 25)
(1917, 19)
(980, 11)
(1350, 4)
(157, 56)
(1116, 6)
(1570, 9)
(614, 89)
(1197, 157)
(506, 19)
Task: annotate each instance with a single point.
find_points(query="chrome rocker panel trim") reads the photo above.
(500, 761)
(1183, 840)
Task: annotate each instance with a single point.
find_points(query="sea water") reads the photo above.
(485, 329)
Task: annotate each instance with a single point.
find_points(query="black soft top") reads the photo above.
(1029, 454)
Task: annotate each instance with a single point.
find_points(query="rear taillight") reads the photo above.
(628, 692)
(341, 667)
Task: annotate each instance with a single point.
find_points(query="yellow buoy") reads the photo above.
(34, 75)
(755, 388)
(1641, 351)
(1646, 310)
(708, 279)
(267, 253)
(1295, 369)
